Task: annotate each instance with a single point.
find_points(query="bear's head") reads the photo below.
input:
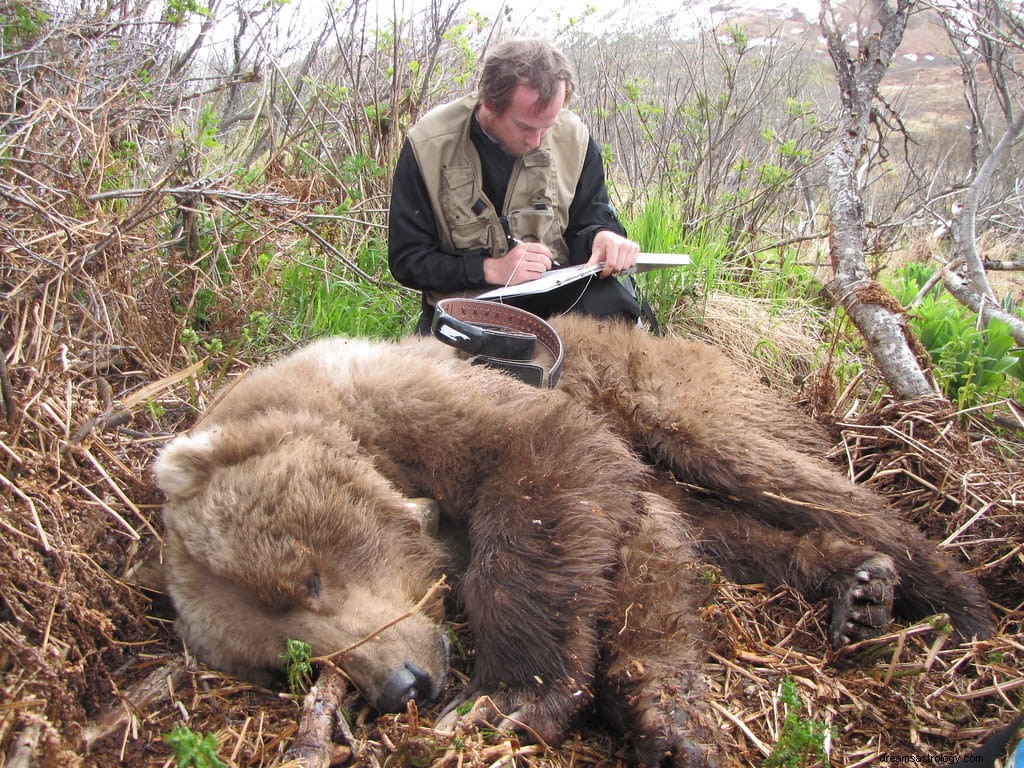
(279, 527)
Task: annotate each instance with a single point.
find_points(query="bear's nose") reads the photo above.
(408, 682)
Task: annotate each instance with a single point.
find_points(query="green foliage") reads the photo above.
(357, 168)
(178, 12)
(321, 303)
(154, 410)
(738, 38)
(21, 24)
(207, 127)
(973, 365)
(193, 750)
(297, 655)
(801, 743)
(659, 228)
(636, 106)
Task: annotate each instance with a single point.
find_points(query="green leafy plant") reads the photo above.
(178, 12)
(193, 750)
(801, 743)
(298, 666)
(973, 365)
(20, 24)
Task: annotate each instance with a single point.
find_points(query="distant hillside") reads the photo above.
(923, 81)
(924, 76)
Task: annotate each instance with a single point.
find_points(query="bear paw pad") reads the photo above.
(863, 602)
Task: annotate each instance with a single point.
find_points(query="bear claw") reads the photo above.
(484, 713)
(862, 605)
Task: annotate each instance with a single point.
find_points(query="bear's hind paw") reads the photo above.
(863, 600)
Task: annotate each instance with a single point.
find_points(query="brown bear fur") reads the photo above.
(285, 518)
(685, 407)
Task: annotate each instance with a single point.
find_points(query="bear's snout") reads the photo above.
(408, 661)
(407, 682)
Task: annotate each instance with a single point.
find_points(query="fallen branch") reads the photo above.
(1003, 266)
(314, 745)
(24, 746)
(141, 698)
(6, 391)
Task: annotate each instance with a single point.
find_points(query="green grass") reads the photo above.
(320, 303)
(714, 265)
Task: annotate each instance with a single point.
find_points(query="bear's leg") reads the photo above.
(859, 582)
(652, 686)
(538, 579)
(689, 409)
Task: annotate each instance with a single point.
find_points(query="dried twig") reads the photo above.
(314, 745)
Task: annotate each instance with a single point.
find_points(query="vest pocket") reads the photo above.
(457, 194)
(482, 233)
(539, 225)
(540, 178)
(471, 220)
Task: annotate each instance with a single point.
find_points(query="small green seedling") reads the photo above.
(193, 750)
(801, 743)
(296, 656)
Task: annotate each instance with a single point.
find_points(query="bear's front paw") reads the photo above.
(862, 605)
(538, 717)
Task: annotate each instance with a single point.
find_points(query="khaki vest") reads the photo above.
(540, 191)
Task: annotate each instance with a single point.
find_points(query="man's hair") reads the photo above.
(533, 63)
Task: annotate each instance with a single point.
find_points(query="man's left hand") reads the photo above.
(617, 252)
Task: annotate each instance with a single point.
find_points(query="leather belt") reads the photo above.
(501, 336)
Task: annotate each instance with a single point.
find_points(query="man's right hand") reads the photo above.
(526, 261)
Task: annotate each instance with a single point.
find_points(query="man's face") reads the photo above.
(521, 127)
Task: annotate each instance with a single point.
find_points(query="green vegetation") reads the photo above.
(21, 23)
(193, 750)
(774, 275)
(298, 666)
(327, 304)
(801, 743)
(973, 365)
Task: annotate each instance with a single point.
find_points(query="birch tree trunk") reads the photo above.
(875, 313)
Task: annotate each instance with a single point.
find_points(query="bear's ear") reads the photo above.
(183, 467)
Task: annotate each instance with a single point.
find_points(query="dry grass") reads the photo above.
(781, 347)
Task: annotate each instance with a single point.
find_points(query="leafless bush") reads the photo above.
(728, 126)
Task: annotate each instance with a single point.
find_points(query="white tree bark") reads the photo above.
(875, 313)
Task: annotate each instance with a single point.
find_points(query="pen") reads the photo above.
(514, 241)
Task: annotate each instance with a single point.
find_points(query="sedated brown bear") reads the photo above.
(287, 517)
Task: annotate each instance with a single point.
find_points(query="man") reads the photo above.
(499, 187)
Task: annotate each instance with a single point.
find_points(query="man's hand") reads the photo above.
(527, 261)
(617, 252)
